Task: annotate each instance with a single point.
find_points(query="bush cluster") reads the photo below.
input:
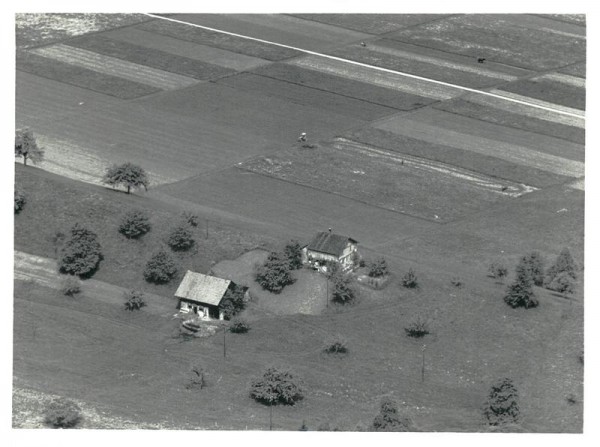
(134, 224)
(389, 418)
(378, 268)
(134, 300)
(336, 346)
(409, 280)
(62, 413)
(190, 218)
(274, 274)
(562, 274)
(497, 270)
(418, 328)
(81, 253)
(161, 268)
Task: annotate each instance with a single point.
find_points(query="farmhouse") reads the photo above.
(201, 295)
(330, 247)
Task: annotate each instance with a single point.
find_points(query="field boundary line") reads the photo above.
(373, 67)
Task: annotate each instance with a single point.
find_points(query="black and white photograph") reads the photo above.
(297, 220)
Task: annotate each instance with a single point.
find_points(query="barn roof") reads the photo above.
(329, 243)
(202, 288)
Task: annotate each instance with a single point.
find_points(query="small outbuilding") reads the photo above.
(202, 294)
(328, 247)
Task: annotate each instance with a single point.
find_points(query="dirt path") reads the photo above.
(43, 271)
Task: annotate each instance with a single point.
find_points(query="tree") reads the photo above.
(134, 300)
(502, 406)
(181, 238)
(343, 290)
(19, 200)
(520, 293)
(497, 270)
(239, 326)
(232, 302)
(564, 264)
(562, 283)
(160, 268)
(378, 268)
(409, 280)
(535, 264)
(293, 253)
(274, 274)
(70, 286)
(126, 174)
(134, 224)
(417, 328)
(81, 253)
(276, 386)
(197, 378)
(26, 146)
(190, 218)
(389, 419)
(62, 413)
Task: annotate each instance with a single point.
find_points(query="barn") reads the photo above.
(201, 295)
(327, 247)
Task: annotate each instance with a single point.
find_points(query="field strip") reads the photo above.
(387, 80)
(441, 63)
(520, 109)
(564, 79)
(513, 153)
(372, 67)
(478, 180)
(543, 104)
(183, 48)
(115, 67)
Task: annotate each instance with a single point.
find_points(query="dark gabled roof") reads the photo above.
(202, 288)
(329, 243)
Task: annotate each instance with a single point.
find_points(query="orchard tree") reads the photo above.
(26, 146)
(274, 274)
(134, 224)
(181, 238)
(276, 386)
(127, 175)
(160, 268)
(564, 264)
(502, 406)
(81, 253)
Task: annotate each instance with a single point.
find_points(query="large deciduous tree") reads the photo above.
(127, 175)
(26, 146)
(274, 274)
(276, 386)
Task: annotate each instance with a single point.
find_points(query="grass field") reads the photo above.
(429, 176)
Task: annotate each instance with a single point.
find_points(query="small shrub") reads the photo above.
(190, 218)
(180, 238)
(389, 419)
(336, 346)
(303, 427)
(378, 268)
(418, 328)
(134, 300)
(239, 326)
(197, 379)
(456, 282)
(497, 270)
(535, 264)
(571, 399)
(502, 406)
(160, 269)
(274, 274)
(409, 280)
(276, 386)
(70, 286)
(562, 283)
(62, 413)
(135, 224)
(19, 200)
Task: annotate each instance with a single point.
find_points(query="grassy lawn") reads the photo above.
(100, 209)
(82, 77)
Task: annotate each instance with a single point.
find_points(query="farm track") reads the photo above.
(115, 67)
